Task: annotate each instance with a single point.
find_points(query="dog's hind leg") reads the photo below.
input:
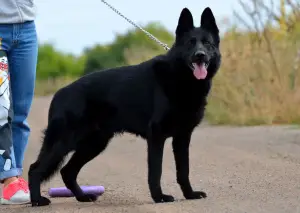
(47, 163)
(50, 158)
(87, 149)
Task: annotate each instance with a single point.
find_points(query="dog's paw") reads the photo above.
(87, 198)
(195, 195)
(42, 201)
(163, 198)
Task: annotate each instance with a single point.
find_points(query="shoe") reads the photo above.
(16, 193)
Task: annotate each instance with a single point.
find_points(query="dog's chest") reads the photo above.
(179, 120)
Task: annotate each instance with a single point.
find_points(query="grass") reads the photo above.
(48, 87)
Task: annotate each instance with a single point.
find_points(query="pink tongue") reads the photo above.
(200, 72)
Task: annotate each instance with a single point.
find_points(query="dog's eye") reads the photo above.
(208, 44)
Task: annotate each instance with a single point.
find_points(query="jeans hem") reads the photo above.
(11, 173)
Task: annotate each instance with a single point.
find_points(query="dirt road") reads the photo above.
(251, 169)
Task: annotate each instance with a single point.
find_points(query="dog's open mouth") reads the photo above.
(200, 70)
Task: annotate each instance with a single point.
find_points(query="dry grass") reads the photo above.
(257, 84)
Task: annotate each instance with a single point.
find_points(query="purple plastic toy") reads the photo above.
(64, 192)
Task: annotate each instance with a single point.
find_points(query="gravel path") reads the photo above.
(249, 169)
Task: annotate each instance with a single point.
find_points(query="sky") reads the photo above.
(73, 25)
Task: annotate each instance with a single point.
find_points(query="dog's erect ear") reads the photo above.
(208, 21)
(185, 22)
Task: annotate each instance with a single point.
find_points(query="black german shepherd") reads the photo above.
(156, 99)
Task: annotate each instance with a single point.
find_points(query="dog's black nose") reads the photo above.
(200, 54)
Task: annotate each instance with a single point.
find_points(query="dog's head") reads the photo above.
(199, 46)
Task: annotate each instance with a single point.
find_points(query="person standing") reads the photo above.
(18, 61)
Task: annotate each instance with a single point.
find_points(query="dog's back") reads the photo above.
(125, 93)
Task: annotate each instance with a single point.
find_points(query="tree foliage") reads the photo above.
(124, 50)
(53, 64)
(115, 54)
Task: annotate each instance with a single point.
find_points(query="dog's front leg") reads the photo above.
(155, 156)
(181, 145)
(156, 141)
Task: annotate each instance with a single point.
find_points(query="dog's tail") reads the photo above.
(52, 152)
(53, 133)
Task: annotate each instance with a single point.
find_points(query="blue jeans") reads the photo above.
(18, 61)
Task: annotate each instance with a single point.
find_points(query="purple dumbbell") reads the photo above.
(64, 192)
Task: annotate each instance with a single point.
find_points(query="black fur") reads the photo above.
(156, 99)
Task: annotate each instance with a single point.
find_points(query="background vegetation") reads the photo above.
(259, 78)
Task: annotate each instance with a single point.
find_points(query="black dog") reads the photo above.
(157, 99)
